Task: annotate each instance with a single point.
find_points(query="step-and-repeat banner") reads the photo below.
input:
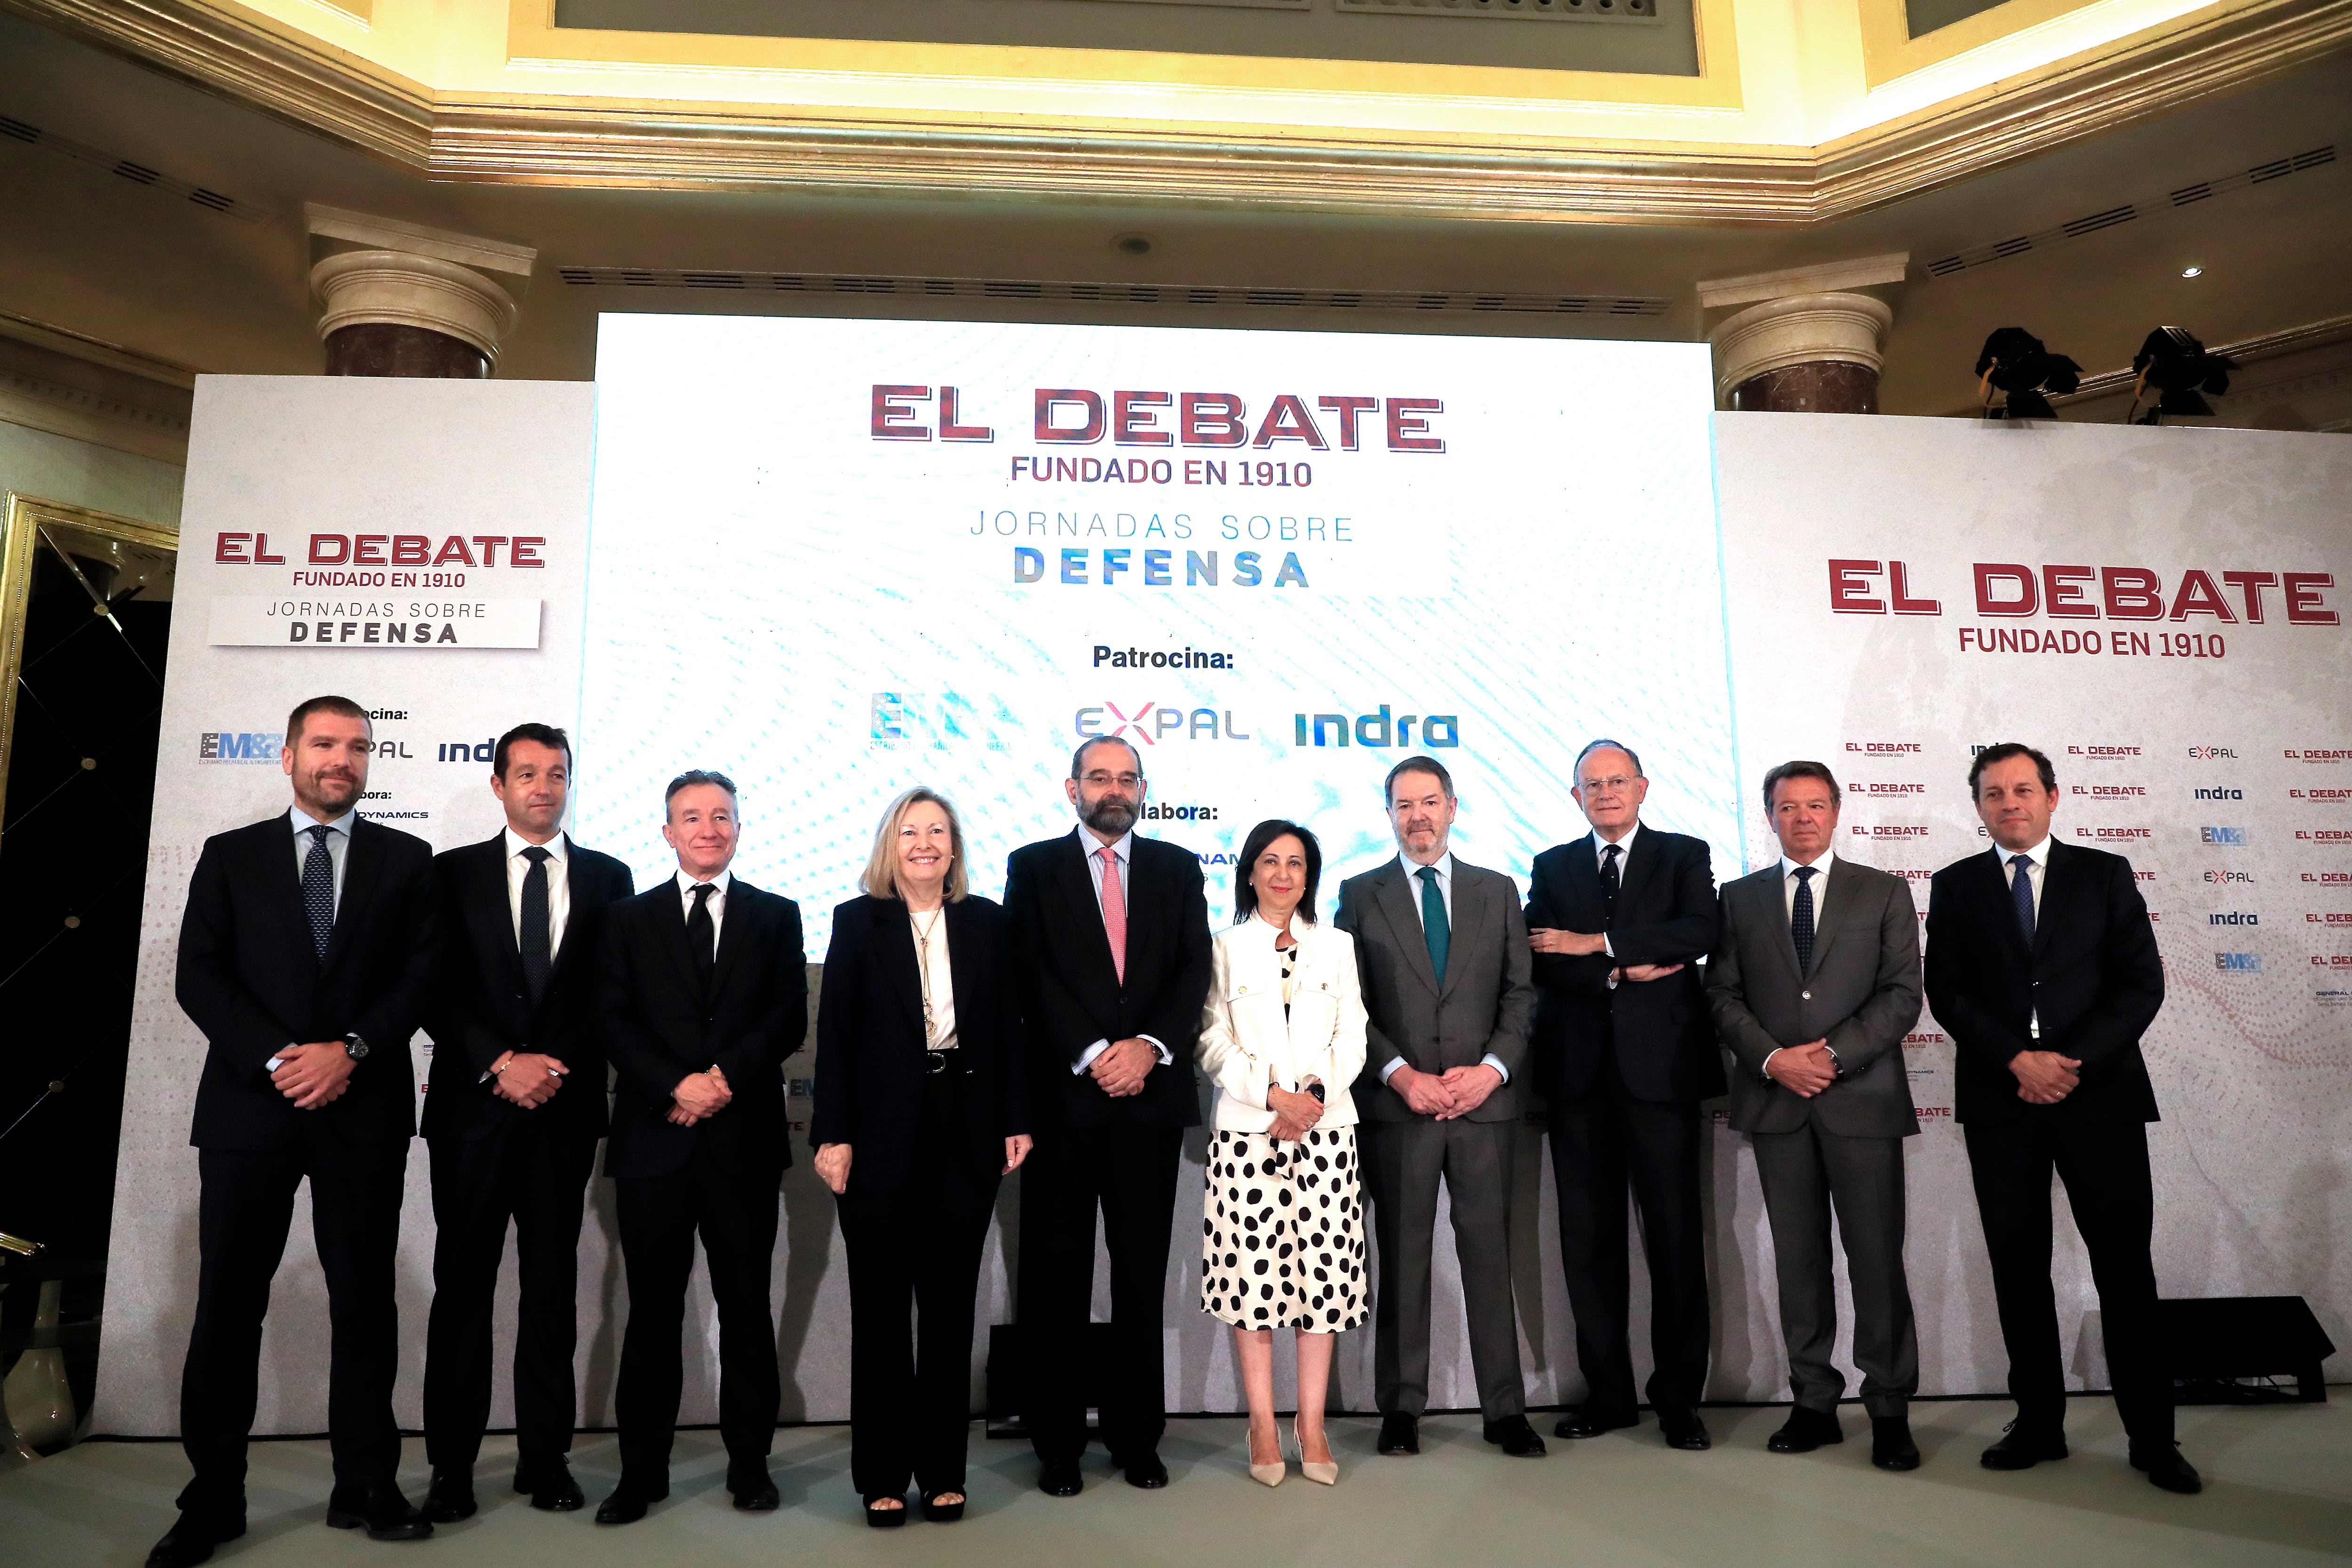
(835, 559)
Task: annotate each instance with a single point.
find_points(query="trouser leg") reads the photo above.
(2010, 1169)
(244, 1207)
(2113, 1194)
(1139, 1167)
(738, 1240)
(947, 1285)
(1662, 1161)
(1059, 1185)
(1478, 1183)
(1403, 1162)
(1587, 1163)
(881, 1234)
(552, 1183)
(1865, 1180)
(656, 1216)
(355, 1194)
(471, 1200)
(1797, 1202)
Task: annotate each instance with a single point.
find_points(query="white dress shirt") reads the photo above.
(559, 884)
(1789, 886)
(1444, 866)
(1123, 849)
(685, 885)
(2038, 867)
(339, 844)
(1601, 863)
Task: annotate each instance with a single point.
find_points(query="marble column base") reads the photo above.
(1823, 386)
(388, 348)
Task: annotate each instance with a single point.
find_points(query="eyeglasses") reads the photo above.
(1610, 785)
(1104, 781)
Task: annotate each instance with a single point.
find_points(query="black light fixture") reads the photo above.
(2015, 364)
(2177, 365)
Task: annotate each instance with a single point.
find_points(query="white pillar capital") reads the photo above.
(406, 289)
(1799, 329)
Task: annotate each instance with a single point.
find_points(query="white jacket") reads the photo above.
(1246, 1044)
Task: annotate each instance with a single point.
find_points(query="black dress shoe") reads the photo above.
(1591, 1420)
(191, 1540)
(450, 1497)
(380, 1510)
(1400, 1434)
(1514, 1437)
(2022, 1447)
(2165, 1467)
(629, 1501)
(1679, 1424)
(1059, 1477)
(754, 1491)
(1806, 1431)
(1145, 1471)
(548, 1483)
(1891, 1447)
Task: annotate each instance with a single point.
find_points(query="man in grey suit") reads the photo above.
(1441, 952)
(1815, 981)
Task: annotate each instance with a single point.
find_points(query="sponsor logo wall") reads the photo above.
(1894, 611)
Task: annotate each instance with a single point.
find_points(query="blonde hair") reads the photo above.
(880, 877)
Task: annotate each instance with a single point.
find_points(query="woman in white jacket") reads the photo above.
(1283, 1038)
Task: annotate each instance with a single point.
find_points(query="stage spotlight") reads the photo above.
(2015, 362)
(2179, 369)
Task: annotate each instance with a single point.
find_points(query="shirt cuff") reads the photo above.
(1766, 1072)
(1491, 1060)
(1087, 1058)
(1167, 1057)
(1605, 947)
(1389, 1072)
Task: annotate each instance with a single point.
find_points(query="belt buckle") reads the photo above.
(936, 1062)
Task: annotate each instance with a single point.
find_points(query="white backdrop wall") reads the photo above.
(2252, 1067)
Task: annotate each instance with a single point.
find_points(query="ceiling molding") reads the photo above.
(639, 145)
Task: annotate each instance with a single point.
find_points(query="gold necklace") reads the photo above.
(923, 969)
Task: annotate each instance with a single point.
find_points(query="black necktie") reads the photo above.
(319, 890)
(537, 952)
(1608, 853)
(1800, 921)
(702, 937)
(2020, 892)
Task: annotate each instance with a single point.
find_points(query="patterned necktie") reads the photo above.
(1609, 854)
(537, 952)
(319, 890)
(702, 937)
(1435, 928)
(2021, 891)
(1800, 921)
(1114, 903)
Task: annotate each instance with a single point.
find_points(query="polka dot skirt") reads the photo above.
(1283, 1232)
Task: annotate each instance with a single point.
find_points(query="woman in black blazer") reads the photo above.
(920, 1111)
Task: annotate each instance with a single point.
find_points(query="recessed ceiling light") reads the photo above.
(2192, 272)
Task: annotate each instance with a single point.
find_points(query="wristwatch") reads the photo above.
(355, 1047)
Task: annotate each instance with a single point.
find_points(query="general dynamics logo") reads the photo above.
(238, 746)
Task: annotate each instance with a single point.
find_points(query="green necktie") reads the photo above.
(1433, 929)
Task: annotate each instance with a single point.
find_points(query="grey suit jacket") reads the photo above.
(1484, 1007)
(1862, 994)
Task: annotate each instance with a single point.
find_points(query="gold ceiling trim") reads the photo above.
(625, 145)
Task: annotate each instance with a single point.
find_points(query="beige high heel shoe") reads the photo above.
(1322, 1472)
(1271, 1475)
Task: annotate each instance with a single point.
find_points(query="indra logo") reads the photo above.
(2219, 793)
(2213, 754)
(2238, 963)
(1379, 729)
(2234, 917)
(1151, 723)
(2234, 838)
(238, 746)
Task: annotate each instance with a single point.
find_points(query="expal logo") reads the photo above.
(1151, 723)
(238, 746)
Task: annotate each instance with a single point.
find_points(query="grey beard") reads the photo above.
(1109, 818)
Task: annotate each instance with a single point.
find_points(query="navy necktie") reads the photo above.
(319, 890)
(538, 950)
(1609, 884)
(1434, 927)
(1800, 920)
(2021, 891)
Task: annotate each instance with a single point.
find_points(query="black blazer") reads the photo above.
(1661, 1033)
(1070, 995)
(2092, 971)
(482, 1011)
(659, 1028)
(869, 1039)
(252, 983)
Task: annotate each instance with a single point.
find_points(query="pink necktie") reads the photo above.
(1114, 902)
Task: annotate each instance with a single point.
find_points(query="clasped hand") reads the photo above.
(2044, 1078)
(313, 1075)
(1803, 1070)
(528, 1079)
(1449, 1095)
(700, 1095)
(1294, 1114)
(1122, 1066)
(1567, 943)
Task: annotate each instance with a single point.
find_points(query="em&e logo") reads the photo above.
(2232, 836)
(2238, 963)
(238, 746)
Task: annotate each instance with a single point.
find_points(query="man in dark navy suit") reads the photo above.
(702, 991)
(306, 957)
(2042, 967)
(512, 1115)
